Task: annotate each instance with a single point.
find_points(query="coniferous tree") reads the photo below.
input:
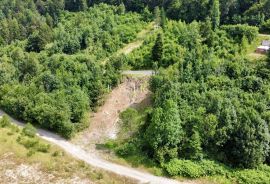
(75, 5)
(157, 51)
(157, 15)
(215, 14)
(163, 18)
(244, 44)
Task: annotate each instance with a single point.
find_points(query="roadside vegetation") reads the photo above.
(21, 148)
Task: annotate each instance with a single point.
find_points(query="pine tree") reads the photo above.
(207, 32)
(244, 44)
(163, 18)
(157, 15)
(157, 51)
(121, 9)
(215, 14)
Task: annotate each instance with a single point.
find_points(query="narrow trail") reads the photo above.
(127, 49)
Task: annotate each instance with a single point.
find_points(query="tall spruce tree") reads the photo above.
(157, 51)
(157, 15)
(163, 18)
(215, 14)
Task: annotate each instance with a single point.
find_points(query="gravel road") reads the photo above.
(93, 160)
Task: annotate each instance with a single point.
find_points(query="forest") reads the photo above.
(51, 65)
(210, 103)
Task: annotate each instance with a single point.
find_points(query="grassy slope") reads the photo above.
(62, 166)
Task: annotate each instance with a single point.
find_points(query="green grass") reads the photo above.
(251, 50)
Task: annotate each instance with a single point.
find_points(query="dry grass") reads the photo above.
(53, 167)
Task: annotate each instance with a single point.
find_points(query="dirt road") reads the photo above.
(95, 161)
(139, 72)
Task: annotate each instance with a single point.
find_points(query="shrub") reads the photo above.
(188, 168)
(66, 129)
(31, 152)
(27, 143)
(237, 32)
(252, 177)
(211, 168)
(184, 168)
(43, 147)
(29, 130)
(265, 28)
(4, 121)
(57, 153)
(10, 133)
(126, 149)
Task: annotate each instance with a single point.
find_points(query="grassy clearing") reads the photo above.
(251, 50)
(52, 161)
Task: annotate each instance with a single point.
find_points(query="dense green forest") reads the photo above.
(51, 69)
(210, 102)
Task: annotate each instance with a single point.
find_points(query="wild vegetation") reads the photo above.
(31, 159)
(210, 103)
(52, 75)
(210, 113)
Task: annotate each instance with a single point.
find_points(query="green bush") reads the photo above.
(265, 28)
(31, 152)
(191, 169)
(252, 176)
(29, 130)
(4, 121)
(43, 147)
(67, 129)
(126, 149)
(211, 168)
(238, 31)
(184, 168)
(27, 143)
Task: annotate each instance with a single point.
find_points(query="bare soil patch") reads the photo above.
(104, 123)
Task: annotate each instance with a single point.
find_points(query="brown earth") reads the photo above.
(104, 123)
(14, 171)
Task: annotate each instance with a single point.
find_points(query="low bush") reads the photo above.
(31, 152)
(126, 149)
(29, 130)
(27, 143)
(185, 168)
(252, 176)
(4, 121)
(44, 148)
(193, 169)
